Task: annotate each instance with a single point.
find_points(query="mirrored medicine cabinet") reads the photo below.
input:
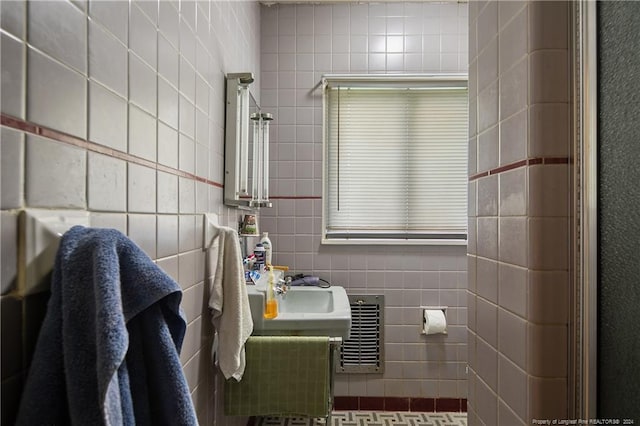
(246, 158)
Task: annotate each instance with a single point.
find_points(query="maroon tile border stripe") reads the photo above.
(344, 403)
(36, 129)
(380, 403)
(508, 167)
(535, 161)
(45, 132)
(521, 163)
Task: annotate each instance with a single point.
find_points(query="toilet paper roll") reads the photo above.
(434, 321)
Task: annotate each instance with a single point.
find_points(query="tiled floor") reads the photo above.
(375, 418)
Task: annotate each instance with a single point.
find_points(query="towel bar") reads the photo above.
(39, 238)
(334, 344)
(210, 227)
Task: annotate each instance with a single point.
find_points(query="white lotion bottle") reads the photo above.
(268, 247)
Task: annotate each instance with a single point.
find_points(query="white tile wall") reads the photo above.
(107, 59)
(13, 75)
(487, 111)
(186, 196)
(143, 78)
(167, 236)
(54, 174)
(9, 228)
(514, 89)
(186, 154)
(513, 193)
(12, 166)
(168, 59)
(56, 95)
(107, 117)
(514, 129)
(142, 230)
(142, 85)
(109, 220)
(106, 181)
(299, 44)
(512, 293)
(114, 16)
(60, 30)
(143, 36)
(141, 189)
(14, 17)
(142, 134)
(187, 116)
(487, 201)
(167, 198)
(548, 129)
(519, 97)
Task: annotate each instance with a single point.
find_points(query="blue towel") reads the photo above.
(108, 350)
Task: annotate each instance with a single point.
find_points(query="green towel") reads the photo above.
(285, 376)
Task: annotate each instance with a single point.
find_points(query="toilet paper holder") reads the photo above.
(423, 310)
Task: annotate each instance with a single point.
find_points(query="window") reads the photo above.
(395, 159)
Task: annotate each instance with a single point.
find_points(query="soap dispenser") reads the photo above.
(271, 304)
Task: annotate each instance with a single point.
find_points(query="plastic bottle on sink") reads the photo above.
(260, 257)
(268, 247)
(271, 304)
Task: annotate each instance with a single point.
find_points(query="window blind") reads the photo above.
(396, 162)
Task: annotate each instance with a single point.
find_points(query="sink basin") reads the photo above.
(307, 300)
(303, 311)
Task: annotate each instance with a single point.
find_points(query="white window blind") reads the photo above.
(396, 161)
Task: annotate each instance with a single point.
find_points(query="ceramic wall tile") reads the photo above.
(55, 174)
(142, 134)
(12, 168)
(107, 183)
(9, 256)
(60, 31)
(107, 117)
(143, 36)
(141, 189)
(113, 16)
(143, 87)
(108, 61)
(50, 85)
(13, 76)
(513, 40)
(14, 17)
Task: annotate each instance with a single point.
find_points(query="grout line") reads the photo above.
(45, 132)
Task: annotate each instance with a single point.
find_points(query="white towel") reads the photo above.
(229, 303)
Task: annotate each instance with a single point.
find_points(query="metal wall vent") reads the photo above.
(363, 352)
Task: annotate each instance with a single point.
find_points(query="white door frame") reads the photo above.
(586, 214)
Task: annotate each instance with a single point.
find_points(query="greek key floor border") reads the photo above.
(373, 418)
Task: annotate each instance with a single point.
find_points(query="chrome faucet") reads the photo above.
(282, 286)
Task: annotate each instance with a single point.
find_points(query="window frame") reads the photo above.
(392, 80)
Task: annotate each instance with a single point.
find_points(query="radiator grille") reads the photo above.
(363, 351)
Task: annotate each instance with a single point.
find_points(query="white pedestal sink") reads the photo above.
(302, 311)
